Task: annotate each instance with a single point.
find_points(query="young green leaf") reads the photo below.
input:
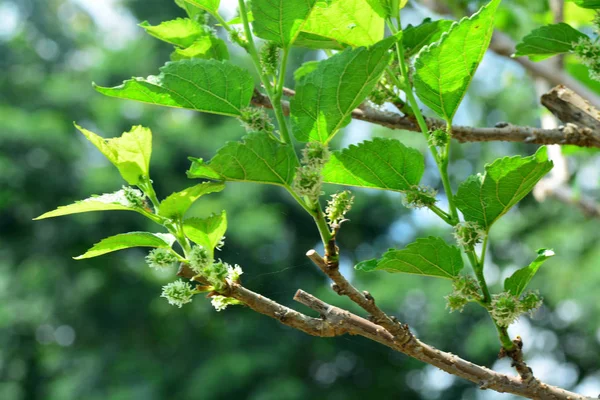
(445, 68)
(312, 41)
(182, 32)
(130, 153)
(381, 164)
(388, 8)
(348, 22)
(305, 69)
(217, 87)
(212, 6)
(128, 240)
(191, 39)
(280, 21)
(430, 256)
(548, 41)
(484, 199)
(206, 232)
(206, 47)
(414, 38)
(258, 158)
(592, 4)
(326, 96)
(175, 206)
(518, 281)
(106, 202)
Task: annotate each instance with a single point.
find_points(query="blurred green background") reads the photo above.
(97, 329)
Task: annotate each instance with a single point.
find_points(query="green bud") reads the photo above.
(221, 302)
(216, 274)
(269, 58)
(315, 154)
(467, 286)
(161, 259)
(438, 138)
(530, 302)
(337, 207)
(308, 182)
(456, 302)
(468, 234)
(588, 52)
(178, 293)
(134, 197)
(256, 120)
(419, 197)
(505, 309)
(237, 37)
(199, 259)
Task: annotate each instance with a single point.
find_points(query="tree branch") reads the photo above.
(502, 132)
(335, 321)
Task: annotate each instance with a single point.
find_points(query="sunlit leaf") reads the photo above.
(444, 69)
(130, 152)
(484, 199)
(380, 164)
(518, 281)
(430, 256)
(178, 203)
(258, 158)
(548, 41)
(326, 96)
(206, 232)
(211, 86)
(280, 21)
(126, 241)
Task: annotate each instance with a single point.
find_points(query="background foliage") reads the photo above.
(97, 329)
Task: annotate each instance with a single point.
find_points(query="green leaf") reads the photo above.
(206, 47)
(130, 153)
(280, 20)
(430, 256)
(180, 32)
(548, 41)
(592, 4)
(106, 202)
(414, 38)
(445, 68)
(387, 8)
(175, 206)
(484, 199)
(191, 39)
(349, 22)
(217, 87)
(128, 240)
(519, 280)
(380, 164)
(258, 158)
(305, 69)
(312, 41)
(206, 232)
(326, 96)
(212, 6)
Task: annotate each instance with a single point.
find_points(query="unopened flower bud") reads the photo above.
(419, 197)
(468, 234)
(161, 259)
(337, 207)
(178, 293)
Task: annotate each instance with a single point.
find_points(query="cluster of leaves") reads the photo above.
(436, 60)
(197, 238)
(554, 39)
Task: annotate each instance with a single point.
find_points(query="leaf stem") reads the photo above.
(277, 109)
(267, 84)
(440, 159)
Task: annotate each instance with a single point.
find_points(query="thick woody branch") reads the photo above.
(502, 132)
(363, 299)
(335, 322)
(484, 377)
